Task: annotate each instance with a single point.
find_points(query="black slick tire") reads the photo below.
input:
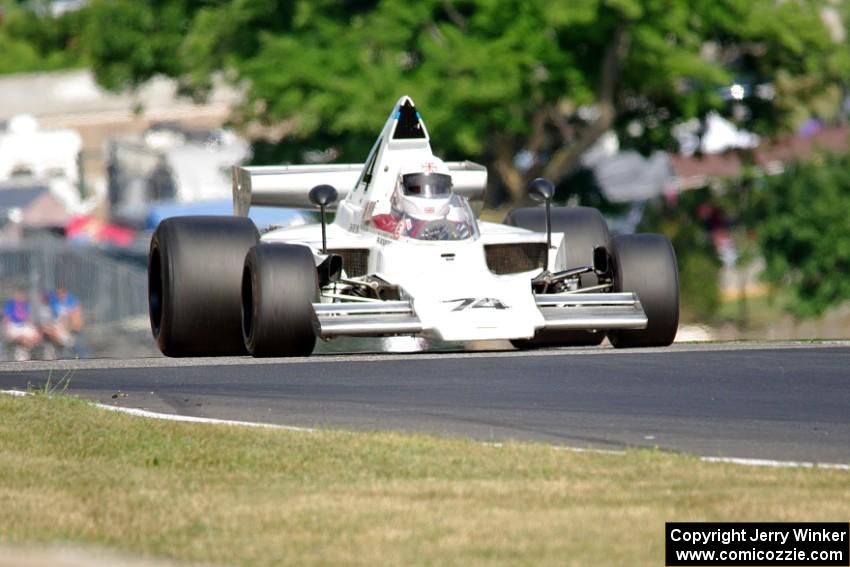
(279, 285)
(194, 284)
(646, 265)
(584, 229)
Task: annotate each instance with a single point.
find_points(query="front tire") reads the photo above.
(584, 229)
(194, 282)
(646, 265)
(279, 285)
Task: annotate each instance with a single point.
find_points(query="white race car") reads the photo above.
(404, 255)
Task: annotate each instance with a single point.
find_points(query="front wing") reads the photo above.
(560, 312)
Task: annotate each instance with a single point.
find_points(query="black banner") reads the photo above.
(810, 544)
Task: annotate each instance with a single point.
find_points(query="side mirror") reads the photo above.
(323, 195)
(541, 190)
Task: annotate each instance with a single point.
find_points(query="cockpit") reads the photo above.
(423, 207)
(457, 224)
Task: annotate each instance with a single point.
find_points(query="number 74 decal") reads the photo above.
(477, 303)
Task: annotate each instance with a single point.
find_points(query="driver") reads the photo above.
(421, 199)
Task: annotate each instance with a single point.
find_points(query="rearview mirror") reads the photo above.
(541, 190)
(322, 195)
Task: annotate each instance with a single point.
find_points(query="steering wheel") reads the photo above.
(443, 229)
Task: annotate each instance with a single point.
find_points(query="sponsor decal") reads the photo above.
(367, 212)
(464, 303)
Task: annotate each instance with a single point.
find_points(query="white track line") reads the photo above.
(15, 393)
(175, 417)
(732, 460)
(779, 464)
(192, 419)
(212, 421)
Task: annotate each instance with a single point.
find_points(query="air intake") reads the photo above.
(355, 261)
(514, 258)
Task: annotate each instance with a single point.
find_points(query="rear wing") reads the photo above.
(288, 185)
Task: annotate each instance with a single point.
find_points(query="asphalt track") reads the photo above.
(784, 402)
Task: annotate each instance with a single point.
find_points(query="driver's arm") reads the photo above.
(415, 225)
(386, 222)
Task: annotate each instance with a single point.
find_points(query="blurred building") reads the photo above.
(58, 130)
(695, 171)
(73, 100)
(27, 209)
(49, 158)
(170, 164)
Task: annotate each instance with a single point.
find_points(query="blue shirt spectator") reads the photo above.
(62, 303)
(17, 309)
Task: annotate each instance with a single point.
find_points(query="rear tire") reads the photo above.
(646, 265)
(584, 229)
(279, 285)
(194, 281)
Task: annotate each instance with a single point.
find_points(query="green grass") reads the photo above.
(70, 472)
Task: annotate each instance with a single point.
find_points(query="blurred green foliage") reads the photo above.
(699, 266)
(493, 78)
(803, 220)
(496, 79)
(32, 40)
(797, 221)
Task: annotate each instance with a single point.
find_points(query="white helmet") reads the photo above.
(424, 192)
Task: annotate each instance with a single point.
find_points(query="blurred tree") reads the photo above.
(130, 41)
(31, 39)
(524, 85)
(699, 266)
(804, 234)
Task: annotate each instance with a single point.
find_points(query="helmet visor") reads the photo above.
(427, 185)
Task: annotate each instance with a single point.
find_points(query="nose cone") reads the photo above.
(409, 125)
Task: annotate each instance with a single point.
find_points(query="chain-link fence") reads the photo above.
(112, 293)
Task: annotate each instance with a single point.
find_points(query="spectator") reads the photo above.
(63, 323)
(18, 328)
(55, 332)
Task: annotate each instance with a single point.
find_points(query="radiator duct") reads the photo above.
(355, 261)
(516, 257)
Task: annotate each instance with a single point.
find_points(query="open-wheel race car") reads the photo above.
(404, 255)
